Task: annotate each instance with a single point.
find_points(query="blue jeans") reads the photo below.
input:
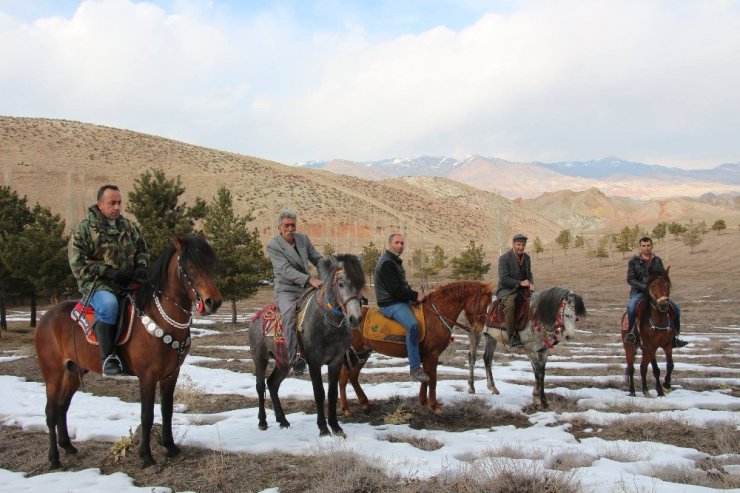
(401, 313)
(105, 305)
(632, 309)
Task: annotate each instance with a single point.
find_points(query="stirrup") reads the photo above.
(630, 338)
(299, 366)
(515, 340)
(678, 342)
(112, 366)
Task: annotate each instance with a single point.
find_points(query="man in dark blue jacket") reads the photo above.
(638, 271)
(394, 294)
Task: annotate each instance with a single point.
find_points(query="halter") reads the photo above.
(339, 310)
(550, 334)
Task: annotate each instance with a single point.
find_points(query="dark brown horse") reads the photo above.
(655, 330)
(441, 309)
(157, 346)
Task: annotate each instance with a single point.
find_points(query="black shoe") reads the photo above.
(419, 375)
(515, 341)
(112, 366)
(299, 366)
(678, 342)
(630, 338)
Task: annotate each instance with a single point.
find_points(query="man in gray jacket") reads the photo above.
(290, 253)
(514, 280)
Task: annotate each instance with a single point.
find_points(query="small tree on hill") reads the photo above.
(676, 229)
(439, 260)
(624, 240)
(370, 256)
(692, 236)
(719, 225)
(538, 247)
(660, 230)
(564, 239)
(154, 202)
(469, 264)
(241, 261)
(328, 250)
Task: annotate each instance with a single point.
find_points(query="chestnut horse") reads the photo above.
(442, 307)
(158, 343)
(654, 324)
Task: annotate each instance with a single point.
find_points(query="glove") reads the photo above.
(118, 277)
(141, 274)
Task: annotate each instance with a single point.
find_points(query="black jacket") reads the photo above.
(638, 272)
(391, 286)
(510, 273)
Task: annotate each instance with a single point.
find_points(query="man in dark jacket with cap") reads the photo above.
(515, 281)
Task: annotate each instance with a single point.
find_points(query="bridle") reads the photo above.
(551, 333)
(449, 324)
(338, 311)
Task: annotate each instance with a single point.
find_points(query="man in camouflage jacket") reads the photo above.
(107, 252)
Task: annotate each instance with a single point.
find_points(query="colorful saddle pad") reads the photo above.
(85, 317)
(376, 327)
(497, 318)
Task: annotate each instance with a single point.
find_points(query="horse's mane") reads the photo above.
(195, 251)
(653, 276)
(457, 287)
(352, 268)
(545, 304)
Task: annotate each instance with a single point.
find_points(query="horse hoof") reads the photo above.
(471, 390)
(262, 426)
(340, 433)
(284, 424)
(346, 412)
(69, 449)
(324, 433)
(55, 464)
(147, 462)
(173, 451)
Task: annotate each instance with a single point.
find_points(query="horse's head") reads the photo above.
(557, 310)
(195, 267)
(572, 309)
(344, 280)
(659, 289)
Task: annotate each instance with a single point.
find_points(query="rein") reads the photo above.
(338, 310)
(448, 322)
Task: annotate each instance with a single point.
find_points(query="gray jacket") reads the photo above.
(290, 269)
(510, 274)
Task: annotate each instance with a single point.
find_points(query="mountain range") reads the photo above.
(60, 164)
(615, 177)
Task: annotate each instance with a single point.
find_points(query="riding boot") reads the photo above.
(514, 339)
(630, 337)
(676, 341)
(106, 334)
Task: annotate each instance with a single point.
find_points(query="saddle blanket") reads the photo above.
(497, 317)
(376, 327)
(86, 319)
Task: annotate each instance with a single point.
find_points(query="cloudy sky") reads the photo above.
(549, 80)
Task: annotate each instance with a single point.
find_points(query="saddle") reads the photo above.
(639, 313)
(85, 316)
(376, 327)
(497, 317)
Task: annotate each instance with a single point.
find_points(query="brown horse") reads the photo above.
(655, 330)
(158, 344)
(441, 309)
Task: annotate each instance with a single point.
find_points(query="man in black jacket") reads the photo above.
(638, 271)
(394, 294)
(515, 281)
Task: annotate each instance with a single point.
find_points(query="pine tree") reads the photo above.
(624, 240)
(719, 225)
(370, 256)
(242, 263)
(564, 239)
(469, 264)
(692, 235)
(154, 203)
(539, 247)
(14, 216)
(439, 260)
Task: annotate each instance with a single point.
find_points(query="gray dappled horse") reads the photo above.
(329, 315)
(552, 315)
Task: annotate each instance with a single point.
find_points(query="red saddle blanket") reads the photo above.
(497, 317)
(86, 319)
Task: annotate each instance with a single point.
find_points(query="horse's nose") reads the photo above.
(354, 320)
(212, 304)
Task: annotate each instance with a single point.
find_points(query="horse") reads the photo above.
(441, 309)
(329, 316)
(155, 349)
(655, 329)
(552, 314)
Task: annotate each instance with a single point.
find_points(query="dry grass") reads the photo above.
(415, 440)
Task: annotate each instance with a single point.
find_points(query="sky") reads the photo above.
(652, 81)
(108, 419)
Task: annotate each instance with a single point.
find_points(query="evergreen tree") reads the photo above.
(37, 257)
(14, 216)
(370, 257)
(242, 263)
(719, 225)
(624, 240)
(328, 250)
(602, 249)
(692, 235)
(676, 229)
(469, 264)
(154, 203)
(439, 260)
(539, 247)
(564, 239)
(660, 230)
(579, 241)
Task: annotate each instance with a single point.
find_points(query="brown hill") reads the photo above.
(60, 164)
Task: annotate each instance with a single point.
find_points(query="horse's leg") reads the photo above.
(333, 384)
(70, 384)
(166, 397)
(319, 395)
(668, 350)
(629, 352)
(273, 384)
(488, 363)
(538, 360)
(430, 368)
(147, 389)
(644, 362)
(352, 377)
(53, 415)
(656, 374)
(474, 340)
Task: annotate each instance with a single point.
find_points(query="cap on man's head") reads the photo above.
(519, 237)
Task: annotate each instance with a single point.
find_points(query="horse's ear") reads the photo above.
(179, 243)
(200, 234)
(325, 266)
(667, 269)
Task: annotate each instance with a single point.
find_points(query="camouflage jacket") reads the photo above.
(95, 244)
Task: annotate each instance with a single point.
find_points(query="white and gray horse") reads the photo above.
(552, 316)
(329, 315)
